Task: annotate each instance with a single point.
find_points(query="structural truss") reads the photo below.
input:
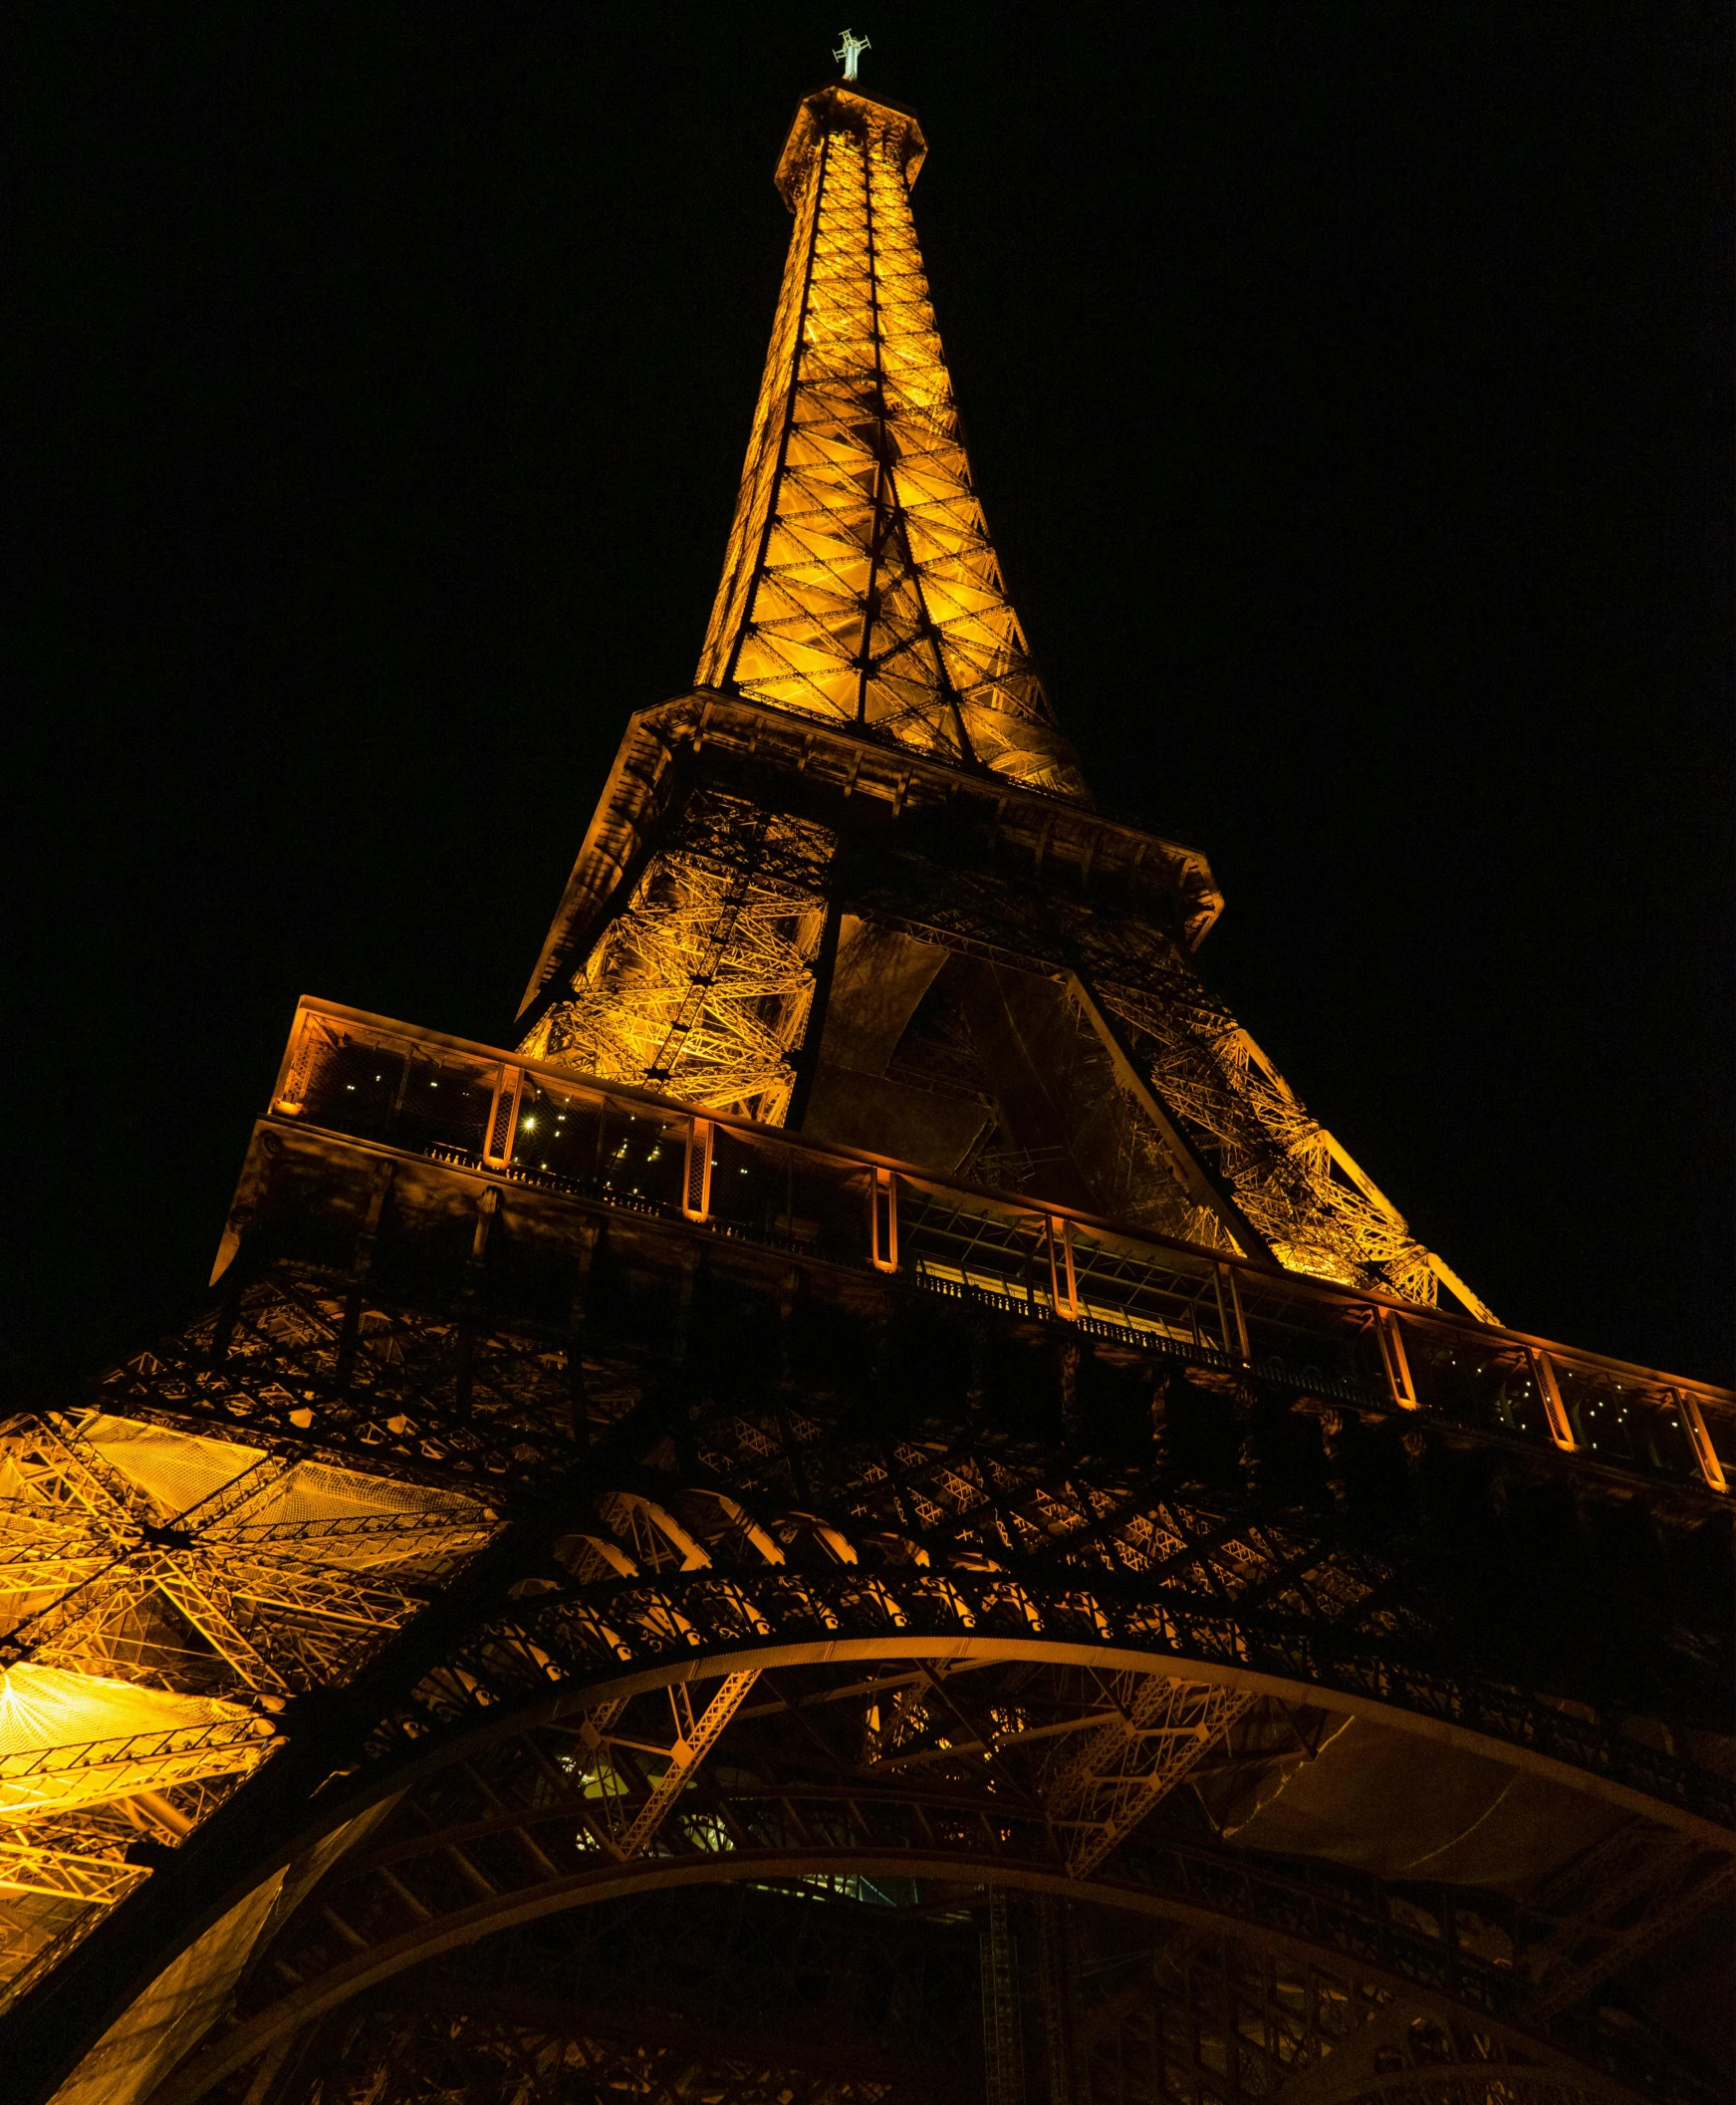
(860, 586)
(876, 1514)
(702, 985)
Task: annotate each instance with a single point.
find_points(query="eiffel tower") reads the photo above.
(876, 1512)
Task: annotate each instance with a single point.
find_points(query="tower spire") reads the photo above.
(859, 584)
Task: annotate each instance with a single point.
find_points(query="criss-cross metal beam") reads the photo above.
(1106, 1784)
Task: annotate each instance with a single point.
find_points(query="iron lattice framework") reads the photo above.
(860, 591)
(860, 585)
(703, 985)
(876, 1514)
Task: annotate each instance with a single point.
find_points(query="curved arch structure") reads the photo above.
(876, 1514)
(527, 1812)
(662, 1671)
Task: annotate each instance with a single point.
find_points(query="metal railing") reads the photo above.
(533, 1123)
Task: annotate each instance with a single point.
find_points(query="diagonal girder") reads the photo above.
(1103, 1787)
(686, 1758)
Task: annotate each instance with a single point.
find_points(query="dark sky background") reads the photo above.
(1349, 388)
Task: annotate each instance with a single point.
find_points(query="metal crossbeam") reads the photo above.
(65, 1875)
(685, 1756)
(1106, 1786)
(1659, 1889)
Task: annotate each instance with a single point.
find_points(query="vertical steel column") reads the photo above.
(697, 1173)
(1389, 1332)
(1232, 1322)
(883, 1221)
(1058, 1980)
(1063, 1282)
(1712, 1469)
(502, 1129)
(1002, 2034)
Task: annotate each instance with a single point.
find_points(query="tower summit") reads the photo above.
(874, 1514)
(860, 586)
(777, 912)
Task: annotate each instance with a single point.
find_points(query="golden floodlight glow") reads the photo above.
(860, 588)
(859, 584)
(701, 988)
(162, 1593)
(70, 1739)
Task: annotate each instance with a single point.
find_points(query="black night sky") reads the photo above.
(1348, 386)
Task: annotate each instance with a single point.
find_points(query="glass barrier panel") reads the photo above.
(778, 1192)
(1318, 1342)
(1342, 1362)
(410, 1095)
(644, 1156)
(559, 1133)
(1117, 1283)
(1668, 1438)
(1493, 1388)
(1623, 1424)
(951, 1239)
(1601, 1416)
(354, 1086)
(826, 1207)
(748, 1188)
(446, 1104)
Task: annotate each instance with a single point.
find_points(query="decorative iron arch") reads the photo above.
(515, 1783)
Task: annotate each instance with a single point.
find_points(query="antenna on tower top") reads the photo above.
(849, 51)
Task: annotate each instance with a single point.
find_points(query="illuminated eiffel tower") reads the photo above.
(876, 1513)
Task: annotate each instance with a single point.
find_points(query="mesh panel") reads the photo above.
(46, 1707)
(176, 1469)
(313, 1492)
(502, 1120)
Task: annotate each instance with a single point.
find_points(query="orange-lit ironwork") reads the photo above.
(861, 589)
(876, 1512)
(860, 586)
(166, 1593)
(702, 987)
